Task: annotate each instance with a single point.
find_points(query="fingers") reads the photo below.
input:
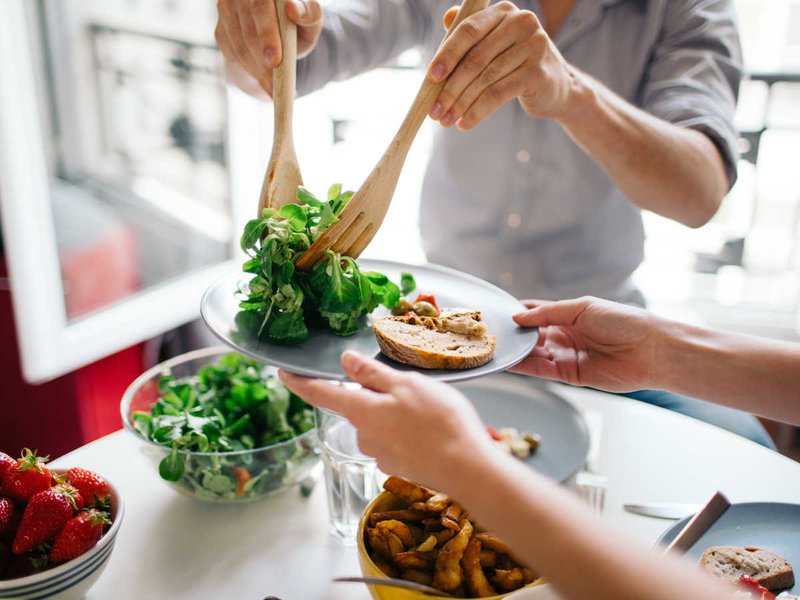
(328, 395)
(369, 373)
(449, 16)
(232, 41)
(537, 365)
(490, 99)
(265, 20)
(468, 34)
(306, 13)
(491, 59)
(565, 312)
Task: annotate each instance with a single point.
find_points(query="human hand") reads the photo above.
(247, 34)
(593, 342)
(416, 427)
(498, 54)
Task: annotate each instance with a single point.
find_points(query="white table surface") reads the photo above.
(170, 546)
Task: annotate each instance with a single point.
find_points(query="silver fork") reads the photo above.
(590, 485)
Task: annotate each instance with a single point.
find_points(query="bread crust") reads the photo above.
(426, 343)
(731, 562)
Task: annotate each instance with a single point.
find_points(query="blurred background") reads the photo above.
(147, 166)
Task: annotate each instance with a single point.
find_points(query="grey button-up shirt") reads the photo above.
(515, 201)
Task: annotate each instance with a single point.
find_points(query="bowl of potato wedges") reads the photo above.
(411, 532)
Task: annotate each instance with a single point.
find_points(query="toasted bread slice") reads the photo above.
(731, 562)
(454, 340)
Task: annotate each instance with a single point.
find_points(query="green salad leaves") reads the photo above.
(280, 301)
(228, 406)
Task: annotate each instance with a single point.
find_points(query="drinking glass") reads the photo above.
(352, 478)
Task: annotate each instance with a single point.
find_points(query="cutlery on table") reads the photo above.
(391, 582)
(359, 221)
(283, 173)
(699, 524)
(663, 510)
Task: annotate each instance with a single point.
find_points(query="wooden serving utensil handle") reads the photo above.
(284, 76)
(283, 173)
(429, 91)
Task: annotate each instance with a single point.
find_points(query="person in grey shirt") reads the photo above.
(561, 121)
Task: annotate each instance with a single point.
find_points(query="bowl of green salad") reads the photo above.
(221, 427)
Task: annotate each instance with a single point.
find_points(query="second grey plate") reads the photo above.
(508, 400)
(319, 356)
(772, 526)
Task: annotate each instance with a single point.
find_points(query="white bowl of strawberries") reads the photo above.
(57, 528)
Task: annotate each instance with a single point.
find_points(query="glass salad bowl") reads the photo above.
(220, 427)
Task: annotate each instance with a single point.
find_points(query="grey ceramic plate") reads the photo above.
(772, 526)
(319, 356)
(508, 400)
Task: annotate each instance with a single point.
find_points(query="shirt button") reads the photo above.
(506, 279)
(523, 157)
(514, 220)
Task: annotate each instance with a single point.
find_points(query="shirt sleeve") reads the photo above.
(359, 35)
(694, 73)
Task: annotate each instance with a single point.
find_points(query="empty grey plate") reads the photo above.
(508, 400)
(319, 356)
(772, 526)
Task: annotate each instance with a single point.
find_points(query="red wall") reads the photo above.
(65, 413)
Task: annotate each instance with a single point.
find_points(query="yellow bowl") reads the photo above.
(387, 501)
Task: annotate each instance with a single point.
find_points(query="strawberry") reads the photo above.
(91, 486)
(29, 477)
(9, 519)
(70, 490)
(80, 534)
(6, 464)
(46, 513)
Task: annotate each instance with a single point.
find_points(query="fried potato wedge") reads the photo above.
(448, 575)
(407, 491)
(398, 515)
(399, 529)
(474, 578)
(508, 581)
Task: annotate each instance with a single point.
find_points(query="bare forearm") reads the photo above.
(753, 374)
(670, 170)
(557, 536)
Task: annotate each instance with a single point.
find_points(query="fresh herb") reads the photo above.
(280, 300)
(229, 406)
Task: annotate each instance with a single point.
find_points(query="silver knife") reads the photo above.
(663, 510)
(699, 524)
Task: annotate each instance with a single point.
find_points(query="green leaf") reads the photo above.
(303, 196)
(391, 295)
(334, 191)
(296, 216)
(407, 283)
(252, 233)
(171, 467)
(289, 328)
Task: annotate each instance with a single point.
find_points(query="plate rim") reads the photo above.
(530, 382)
(439, 374)
(678, 525)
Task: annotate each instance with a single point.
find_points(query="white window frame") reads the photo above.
(50, 344)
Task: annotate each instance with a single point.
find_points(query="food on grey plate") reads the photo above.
(431, 540)
(227, 408)
(512, 442)
(733, 563)
(280, 302)
(455, 339)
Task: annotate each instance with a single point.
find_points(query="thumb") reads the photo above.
(305, 13)
(369, 372)
(565, 312)
(449, 16)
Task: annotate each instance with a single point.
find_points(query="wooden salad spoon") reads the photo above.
(359, 221)
(283, 173)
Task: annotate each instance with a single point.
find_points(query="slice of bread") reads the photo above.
(454, 340)
(731, 562)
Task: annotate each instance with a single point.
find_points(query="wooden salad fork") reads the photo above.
(359, 221)
(283, 173)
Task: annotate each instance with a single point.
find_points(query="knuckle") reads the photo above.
(470, 30)
(527, 20)
(476, 59)
(506, 6)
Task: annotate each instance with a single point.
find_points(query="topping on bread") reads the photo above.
(456, 339)
(732, 562)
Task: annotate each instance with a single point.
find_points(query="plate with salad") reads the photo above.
(303, 321)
